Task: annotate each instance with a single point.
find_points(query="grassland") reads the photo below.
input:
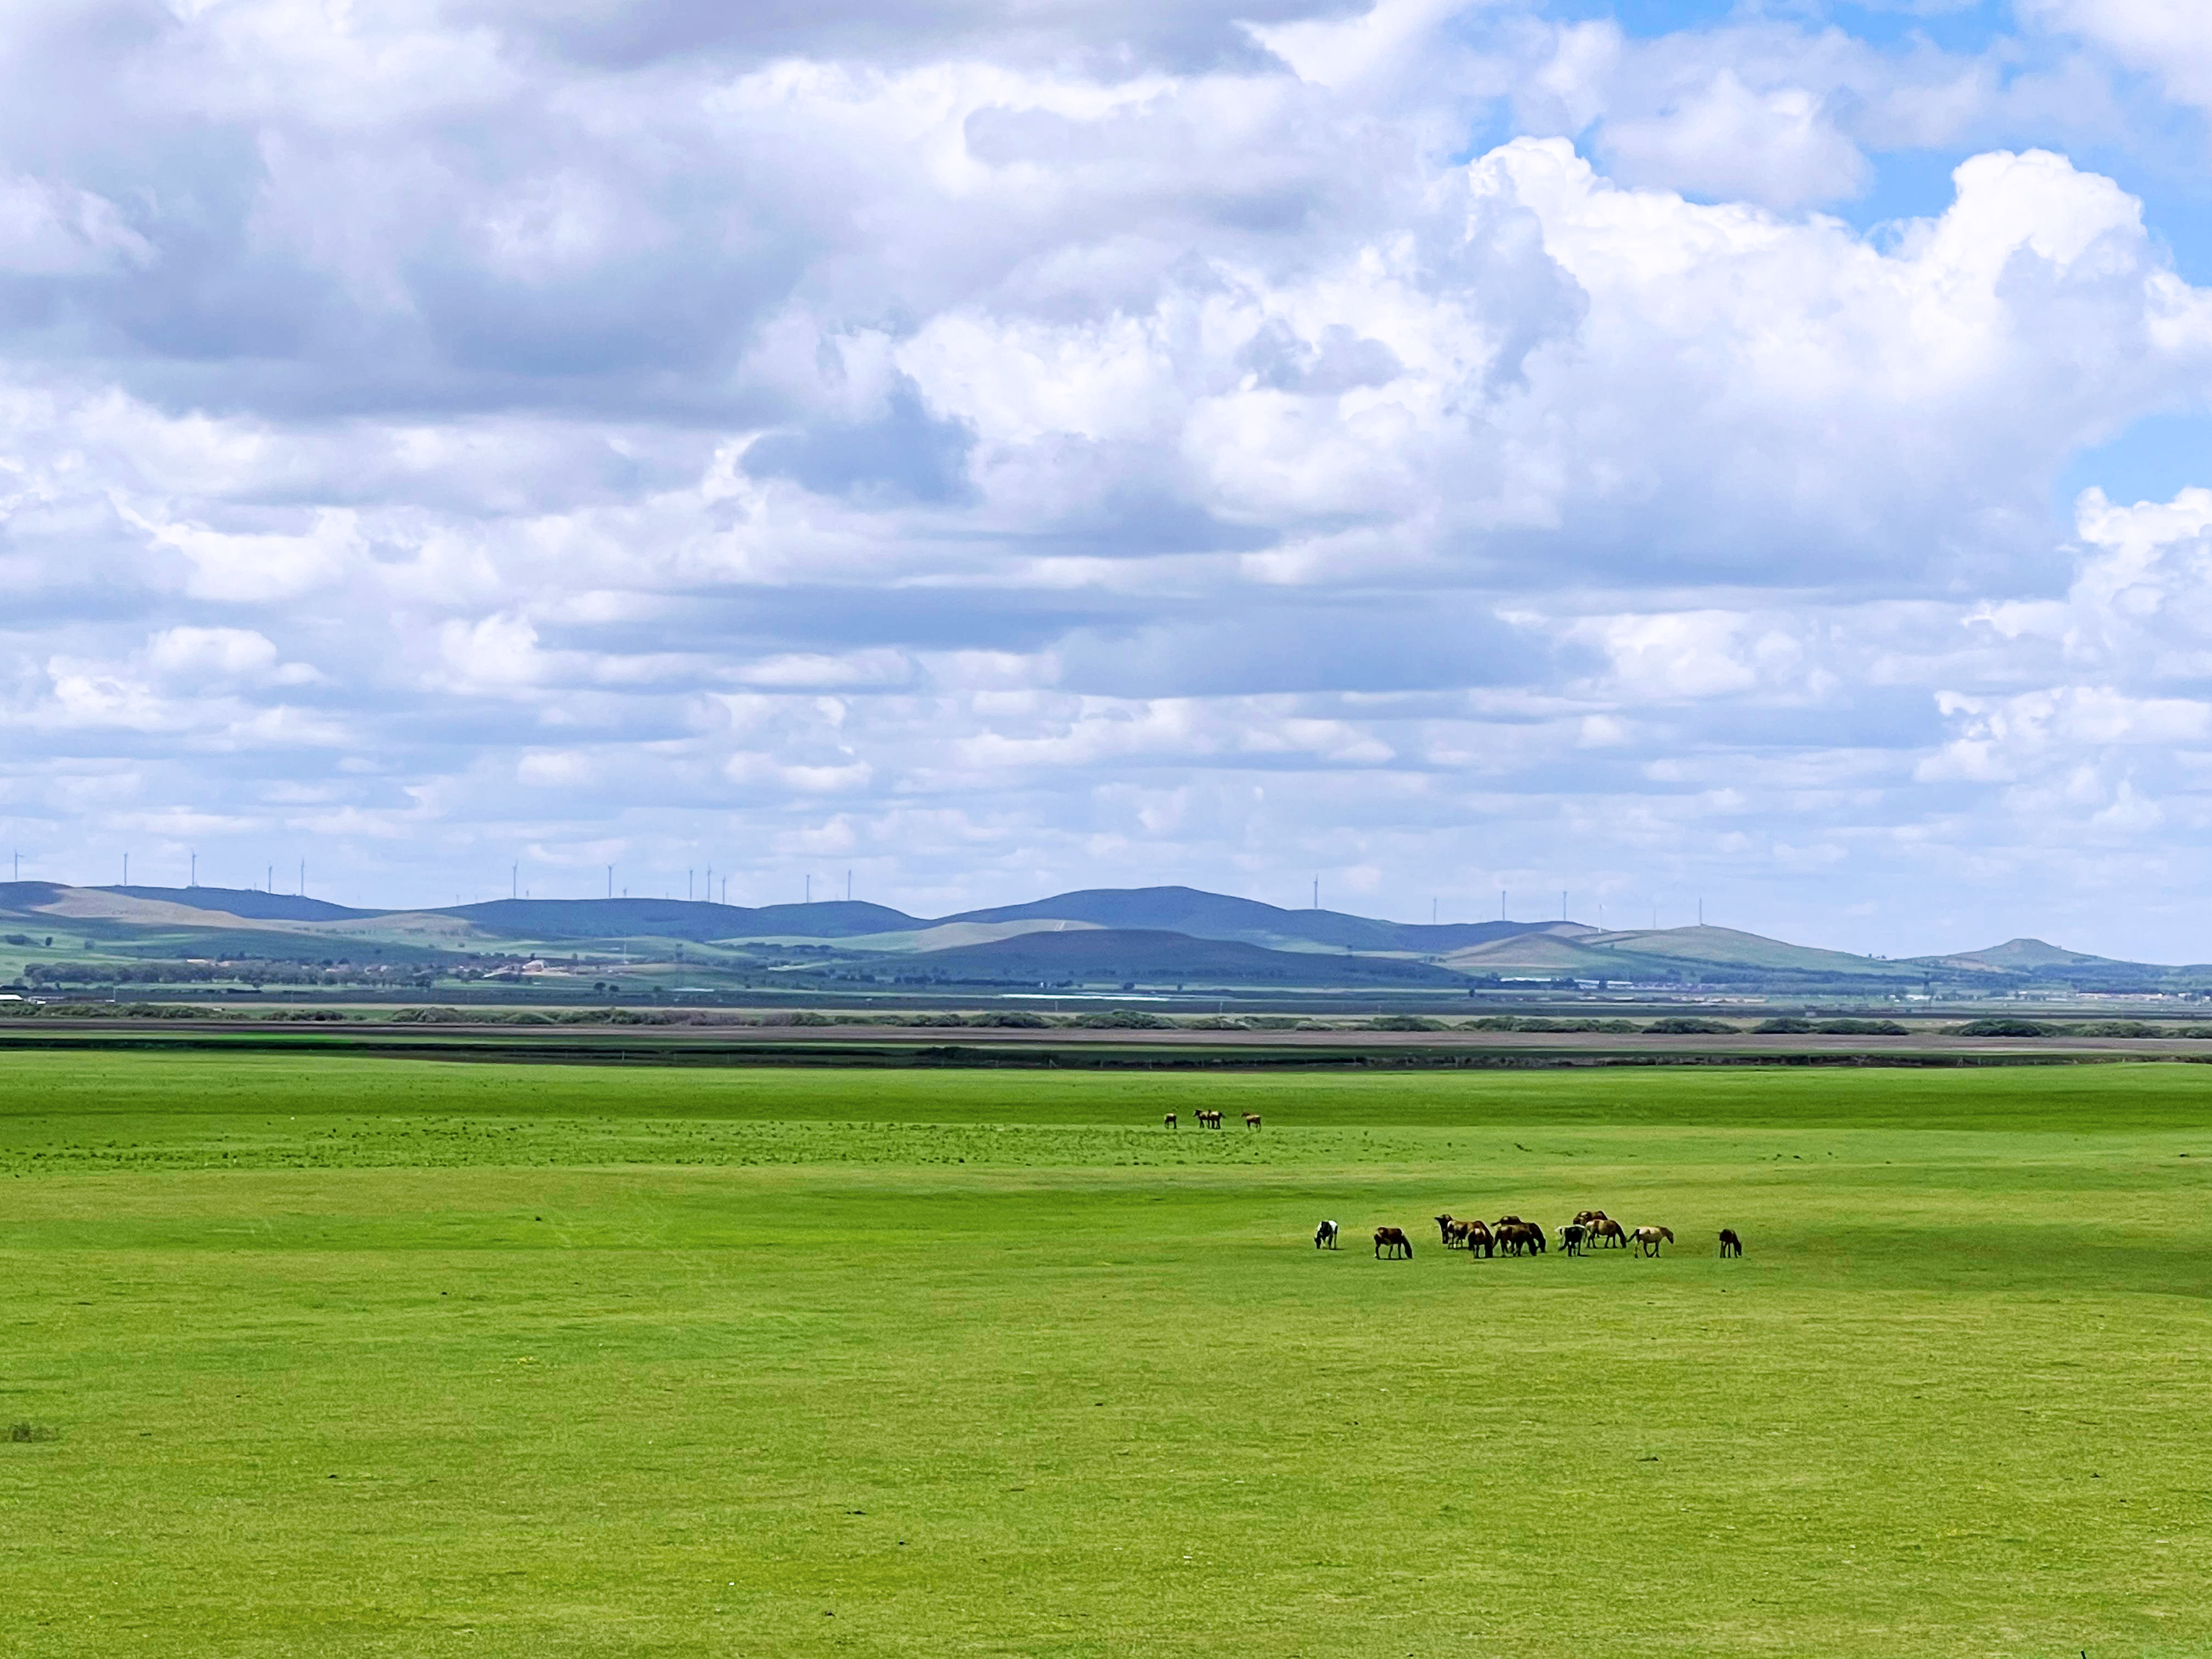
(395, 1357)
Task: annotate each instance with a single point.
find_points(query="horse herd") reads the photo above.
(1211, 1120)
(1590, 1230)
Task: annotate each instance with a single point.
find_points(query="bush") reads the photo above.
(1125, 1019)
(1861, 1028)
(1219, 1023)
(22, 1433)
(2121, 1027)
(1785, 1024)
(637, 1017)
(428, 1016)
(1018, 1019)
(1404, 1023)
(1685, 1025)
(2004, 1027)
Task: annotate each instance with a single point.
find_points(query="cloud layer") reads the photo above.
(1002, 448)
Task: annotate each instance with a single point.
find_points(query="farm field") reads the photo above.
(344, 1355)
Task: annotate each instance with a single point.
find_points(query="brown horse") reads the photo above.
(1520, 1238)
(1609, 1234)
(1480, 1240)
(1584, 1218)
(1646, 1239)
(1394, 1240)
(1251, 1120)
(1208, 1119)
(1731, 1245)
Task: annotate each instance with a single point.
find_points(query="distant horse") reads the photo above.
(1535, 1240)
(1646, 1239)
(1208, 1119)
(1571, 1237)
(1520, 1238)
(1584, 1218)
(1325, 1236)
(1449, 1230)
(1168, 1122)
(1731, 1245)
(1480, 1240)
(1393, 1240)
(1251, 1120)
(1609, 1234)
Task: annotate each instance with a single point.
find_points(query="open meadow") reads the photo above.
(371, 1357)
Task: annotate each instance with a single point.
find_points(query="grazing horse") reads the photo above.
(1646, 1239)
(1731, 1245)
(1609, 1234)
(1571, 1237)
(1394, 1240)
(1325, 1236)
(1168, 1122)
(1521, 1238)
(1585, 1217)
(1450, 1231)
(1480, 1240)
(1251, 1120)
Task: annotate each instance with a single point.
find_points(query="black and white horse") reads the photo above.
(1571, 1237)
(1325, 1236)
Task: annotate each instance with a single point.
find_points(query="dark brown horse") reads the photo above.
(1168, 1122)
(1251, 1120)
(1394, 1240)
(1731, 1245)
(1586, 1218)
(1450, 1231)
(1480, 1240)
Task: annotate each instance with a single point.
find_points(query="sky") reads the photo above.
(1658, 452)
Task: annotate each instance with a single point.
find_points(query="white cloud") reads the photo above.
(1031, 448)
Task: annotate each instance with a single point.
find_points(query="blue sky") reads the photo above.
(1658, 451)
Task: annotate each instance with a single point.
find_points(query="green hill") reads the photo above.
(1113, 956)
(1202, 914)
(1668, 954)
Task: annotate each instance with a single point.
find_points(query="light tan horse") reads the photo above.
(1645, 1240)
(1609, 1234)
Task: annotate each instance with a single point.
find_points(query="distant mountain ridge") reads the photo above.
(1126, 933)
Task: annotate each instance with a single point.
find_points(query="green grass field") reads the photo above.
(387, 1357)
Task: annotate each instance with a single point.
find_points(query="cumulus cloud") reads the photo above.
(1008, 447)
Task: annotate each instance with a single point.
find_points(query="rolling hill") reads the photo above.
(1147, 956)
(1214, 915)
(1097, 935)
(1671, 953)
